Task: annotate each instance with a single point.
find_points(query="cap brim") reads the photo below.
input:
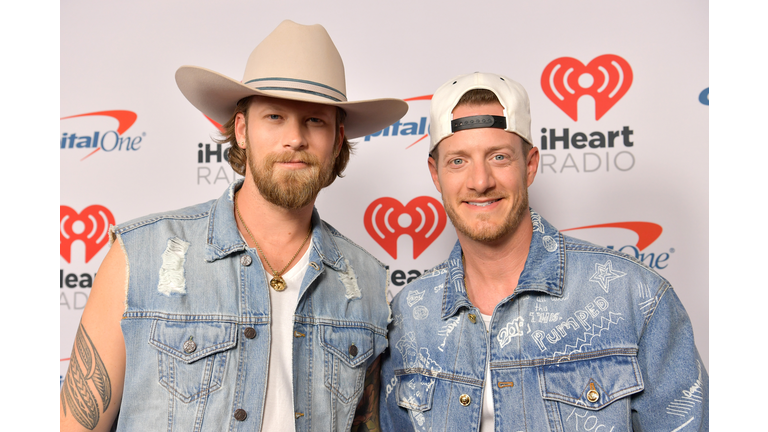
(216, 96)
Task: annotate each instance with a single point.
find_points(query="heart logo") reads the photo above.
(95, 221)
(424, 221)
(606, 78)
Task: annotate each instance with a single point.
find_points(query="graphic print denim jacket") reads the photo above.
(197, 333)
(590, 340)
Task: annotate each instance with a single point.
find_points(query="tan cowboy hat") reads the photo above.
(294, 62)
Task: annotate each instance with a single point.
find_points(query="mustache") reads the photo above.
(292, 156)
(489, 196)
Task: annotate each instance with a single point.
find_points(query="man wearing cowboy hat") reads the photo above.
(247, 312)
(523, 328)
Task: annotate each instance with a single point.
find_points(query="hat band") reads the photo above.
(299, 86)
(478, 121)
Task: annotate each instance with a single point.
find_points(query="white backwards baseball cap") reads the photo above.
(512, 96)
(295, 62)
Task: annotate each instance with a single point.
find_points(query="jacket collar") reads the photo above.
(544, 269)
(224, 239)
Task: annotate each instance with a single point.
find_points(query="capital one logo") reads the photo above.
(215, 123)
(408, 126)
(606, 78)
(647, 233)
(89, 226)
(100, 140)
(423, 219)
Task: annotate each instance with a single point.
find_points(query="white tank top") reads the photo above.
(486, 421)
(278, 407)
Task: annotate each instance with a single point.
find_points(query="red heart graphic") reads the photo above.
(611, 78)
(427, 222)
(96, 219)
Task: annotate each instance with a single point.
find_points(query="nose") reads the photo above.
(294, 137)
(481, 178)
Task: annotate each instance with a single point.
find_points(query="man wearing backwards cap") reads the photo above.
(523, 328)
(247, 312)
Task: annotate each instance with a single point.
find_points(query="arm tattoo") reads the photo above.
(86, 372)
(367, 413)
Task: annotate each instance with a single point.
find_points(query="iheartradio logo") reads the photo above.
(423, 219)
(90, 226)
(606, 78)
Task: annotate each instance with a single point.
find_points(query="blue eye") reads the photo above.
(499, 157)
(457, 162)
(274, 117)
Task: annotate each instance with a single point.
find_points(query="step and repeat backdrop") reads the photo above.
(619, 103)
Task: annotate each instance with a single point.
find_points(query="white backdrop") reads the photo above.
(120, 58)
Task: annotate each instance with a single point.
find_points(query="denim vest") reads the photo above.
(197, 333)
(590, 340)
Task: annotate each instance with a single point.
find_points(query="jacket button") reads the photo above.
(240, 414)
(190, 346)
(250, 332)
(246, 260)
(593, 396)
(465, 400)
(353, 350)
(472, 318)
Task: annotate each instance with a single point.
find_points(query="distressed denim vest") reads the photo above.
(197, 333)
(590, 340)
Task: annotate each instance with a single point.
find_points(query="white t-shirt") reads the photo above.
(486, 421)
(278, 407)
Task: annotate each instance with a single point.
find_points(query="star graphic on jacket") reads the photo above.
(604, 274)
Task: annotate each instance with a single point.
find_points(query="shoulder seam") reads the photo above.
(665, 286)
(120, 229)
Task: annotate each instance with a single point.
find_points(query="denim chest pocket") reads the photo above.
(192, 356)
(583, 393)
(414, 392)
(346, 351)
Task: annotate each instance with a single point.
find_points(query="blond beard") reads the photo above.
(483, 231)
(290, 189)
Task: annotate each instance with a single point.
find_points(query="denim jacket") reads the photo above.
(590, 340)
(196, 325)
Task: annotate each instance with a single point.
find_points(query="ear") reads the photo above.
(241, 129)
(532, 165)
(433, 171)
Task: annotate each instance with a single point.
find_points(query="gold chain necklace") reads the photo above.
(277, 283)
